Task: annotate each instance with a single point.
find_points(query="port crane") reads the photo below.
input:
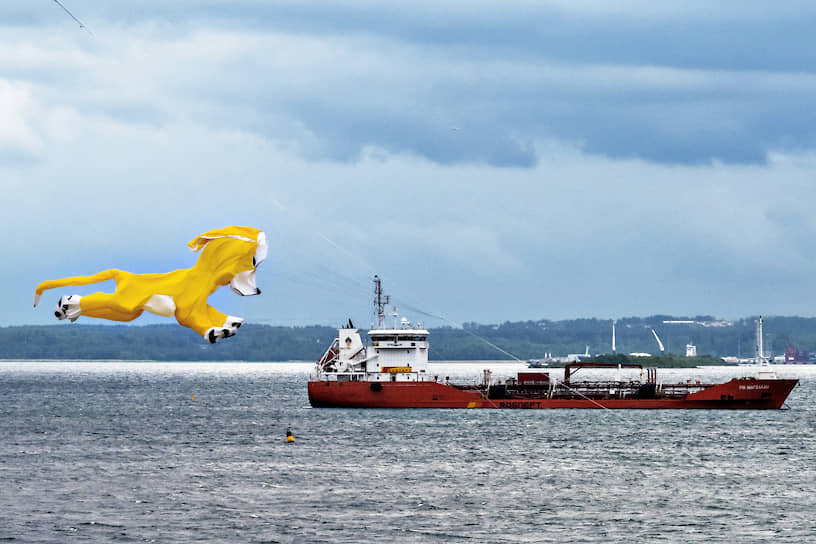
(659, 343)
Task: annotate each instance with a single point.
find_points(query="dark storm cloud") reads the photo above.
(482, 83)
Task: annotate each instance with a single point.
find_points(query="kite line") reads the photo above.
(80, 23)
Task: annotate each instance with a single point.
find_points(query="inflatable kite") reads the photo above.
(229, 256)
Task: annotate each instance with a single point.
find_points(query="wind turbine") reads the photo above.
(613, 337)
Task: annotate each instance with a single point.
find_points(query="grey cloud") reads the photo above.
(576, 235)
(453, 86)
(329, 79)
(743, 35)
(488, 168)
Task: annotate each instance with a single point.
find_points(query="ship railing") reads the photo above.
(362, 376)
(615, 389)
(683, 389)
(341, 376)
(607, 389)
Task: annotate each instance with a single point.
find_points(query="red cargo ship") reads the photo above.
(392, 372)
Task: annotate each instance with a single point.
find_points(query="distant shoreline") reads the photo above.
(542, 339)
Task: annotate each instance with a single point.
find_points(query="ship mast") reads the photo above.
(380, 301)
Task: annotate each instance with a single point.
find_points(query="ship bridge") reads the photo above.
(404, 348)
(396, 354)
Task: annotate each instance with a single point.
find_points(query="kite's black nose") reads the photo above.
(257, 291)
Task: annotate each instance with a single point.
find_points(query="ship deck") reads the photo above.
(738, 393)
(599, 390)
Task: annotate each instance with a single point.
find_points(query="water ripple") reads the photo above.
(153, 452)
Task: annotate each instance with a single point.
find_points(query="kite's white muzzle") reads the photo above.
(244, 284)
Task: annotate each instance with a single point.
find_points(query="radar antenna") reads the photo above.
(380, 301)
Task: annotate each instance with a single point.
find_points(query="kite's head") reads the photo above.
(232, 255)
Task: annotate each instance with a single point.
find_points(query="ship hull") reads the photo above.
(736, 394)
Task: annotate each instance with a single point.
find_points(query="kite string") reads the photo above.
(486, 341)
(80, 23)
(458, 326)
(429, 314)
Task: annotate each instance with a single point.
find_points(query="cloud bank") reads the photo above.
(539, 160)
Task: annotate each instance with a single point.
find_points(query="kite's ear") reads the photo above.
(248, 234)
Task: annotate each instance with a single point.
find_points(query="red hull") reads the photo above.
(737, 394)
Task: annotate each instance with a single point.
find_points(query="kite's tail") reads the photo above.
(105, 275)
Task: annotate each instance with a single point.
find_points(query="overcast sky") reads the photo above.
(491, 161)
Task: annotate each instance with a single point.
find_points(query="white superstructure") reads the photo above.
(391, 354)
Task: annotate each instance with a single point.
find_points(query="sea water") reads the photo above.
(196, 452)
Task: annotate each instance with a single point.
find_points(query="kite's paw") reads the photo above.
(68, 307)
(231, 325)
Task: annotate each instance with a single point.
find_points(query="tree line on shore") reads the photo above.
(525, 340)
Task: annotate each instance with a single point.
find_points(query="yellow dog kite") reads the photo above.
(230, 256)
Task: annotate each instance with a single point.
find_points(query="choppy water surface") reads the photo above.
(180, 452)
